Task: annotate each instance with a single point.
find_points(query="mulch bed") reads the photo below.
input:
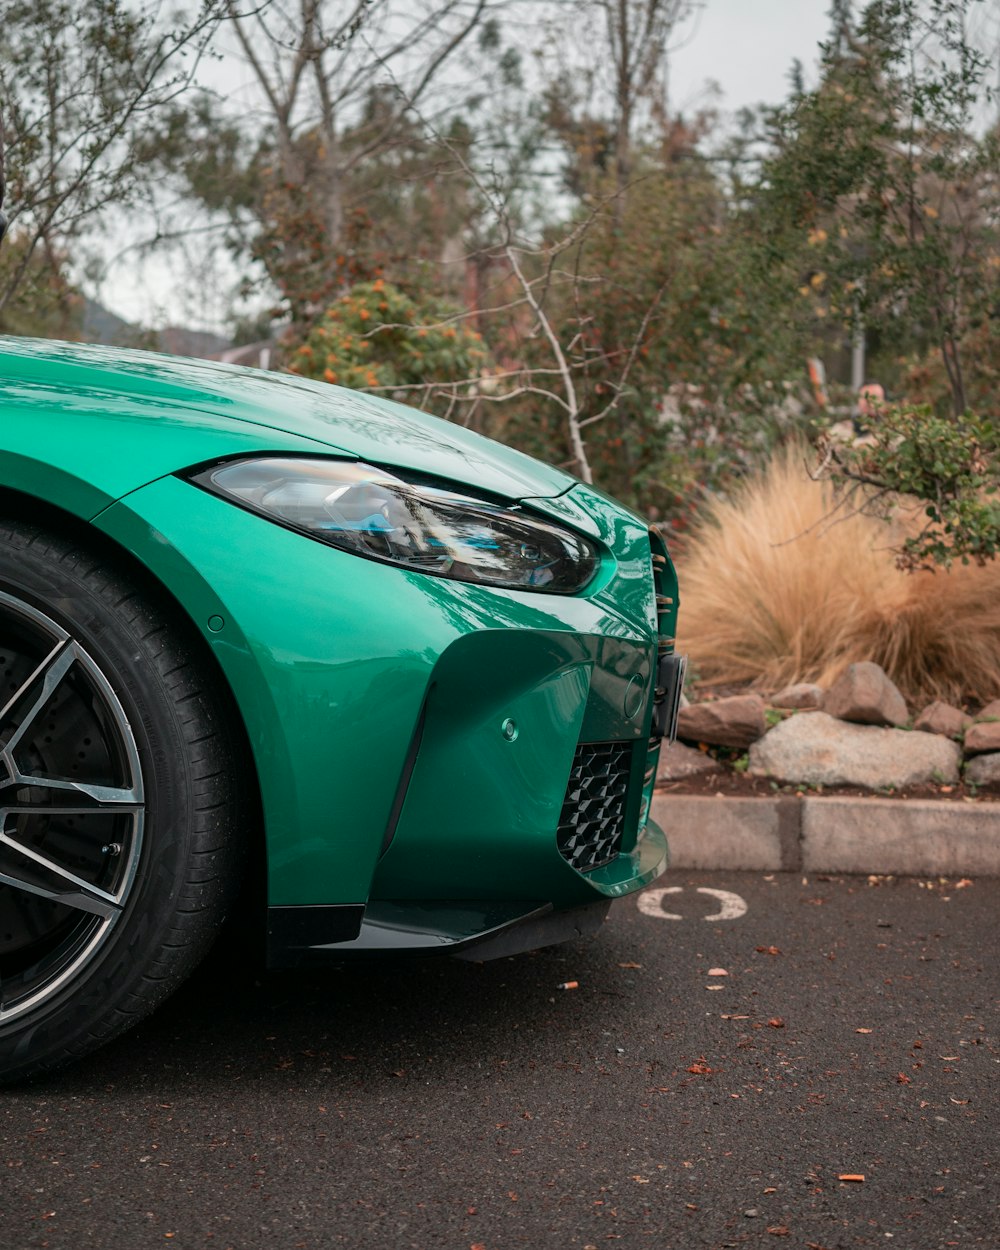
(728, 784)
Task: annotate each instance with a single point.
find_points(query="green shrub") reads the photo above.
(376, 337)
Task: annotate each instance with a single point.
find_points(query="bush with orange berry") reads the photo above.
(376, 337)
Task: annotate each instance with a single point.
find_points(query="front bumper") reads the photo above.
(414, 738)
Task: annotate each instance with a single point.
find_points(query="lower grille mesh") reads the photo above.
(593, 813)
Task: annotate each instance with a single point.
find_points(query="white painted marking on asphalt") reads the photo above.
(731, 906)
(651, 903)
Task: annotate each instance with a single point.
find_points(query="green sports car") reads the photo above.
(413, 679)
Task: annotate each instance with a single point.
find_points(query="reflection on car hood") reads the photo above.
(204, 395)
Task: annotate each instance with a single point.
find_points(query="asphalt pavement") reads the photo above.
(837, 1087)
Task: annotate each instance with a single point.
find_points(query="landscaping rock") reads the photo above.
(677, 761)
(842, 432)
(942, 718)
(820, 750)
(982, 736)
(990, 712)
(805, 696)
(984, 770)
(864, 694)
(734, 722)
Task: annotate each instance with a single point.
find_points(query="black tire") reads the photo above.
(118, 819)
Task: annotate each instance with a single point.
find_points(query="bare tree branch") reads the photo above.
(79, 104)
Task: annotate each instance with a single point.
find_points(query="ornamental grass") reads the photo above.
(781, 582)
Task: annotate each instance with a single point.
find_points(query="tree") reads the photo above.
(3, 182)
(612, 84)
(83, 91)
(337, 82)
(595, 318)
(48, 304)
(879, 201)
(879, 198)
(679, 365)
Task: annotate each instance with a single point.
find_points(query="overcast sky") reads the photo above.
(747, 47)
(744, 46)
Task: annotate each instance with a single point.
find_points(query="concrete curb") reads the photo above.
(904, 837)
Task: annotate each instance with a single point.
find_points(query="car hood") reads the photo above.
(162, 413)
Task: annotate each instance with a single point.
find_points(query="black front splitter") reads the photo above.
(470, 929)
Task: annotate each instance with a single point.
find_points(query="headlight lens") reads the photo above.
(427, 528)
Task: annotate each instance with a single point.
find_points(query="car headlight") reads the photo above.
(415, 525)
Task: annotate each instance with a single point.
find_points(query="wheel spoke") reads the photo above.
(110, 797)
(42, 683)
(84, 897)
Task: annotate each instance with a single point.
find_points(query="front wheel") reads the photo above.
(117, 812)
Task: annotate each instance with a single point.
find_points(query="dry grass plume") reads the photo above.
(779, 585)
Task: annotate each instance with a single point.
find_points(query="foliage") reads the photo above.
(606, 101)
(342, 181)
(375, 337)
(877, 200)
(922, 378)
(691, 301)
(679, 364)
(780, 585)
(951, 465)
(83, 92)
(48, 305)
(651, 324)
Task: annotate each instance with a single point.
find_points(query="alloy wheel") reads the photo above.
(71, 808)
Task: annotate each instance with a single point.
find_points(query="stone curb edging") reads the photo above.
(786, 833)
